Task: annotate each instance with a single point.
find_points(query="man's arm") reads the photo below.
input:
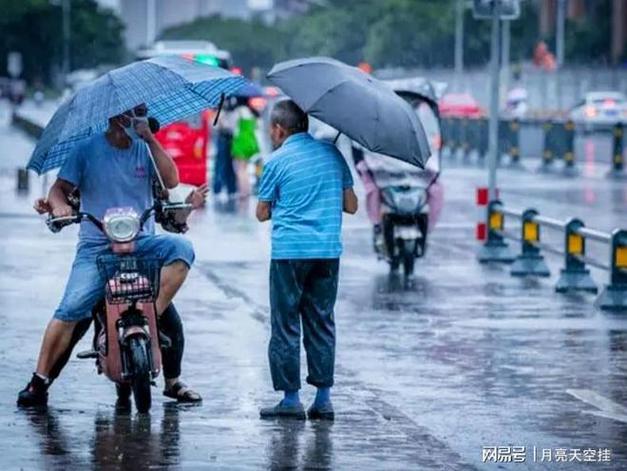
(165, 163)
(57, 203)
(268, 191)
(350, 201)
(264, 211)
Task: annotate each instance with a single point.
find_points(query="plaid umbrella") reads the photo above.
(172, 87)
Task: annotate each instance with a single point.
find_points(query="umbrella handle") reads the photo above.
(215, 120)
(337, 136)
(154, 164)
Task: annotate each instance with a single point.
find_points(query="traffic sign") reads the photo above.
(14, 64)
(507, 9)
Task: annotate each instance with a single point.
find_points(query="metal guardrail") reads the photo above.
(467, 135)
(574, 276)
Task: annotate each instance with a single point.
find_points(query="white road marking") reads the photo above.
(607, 408)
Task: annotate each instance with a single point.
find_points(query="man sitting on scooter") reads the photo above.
(110, 169)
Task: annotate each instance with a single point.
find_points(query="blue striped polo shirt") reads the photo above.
(304, 180)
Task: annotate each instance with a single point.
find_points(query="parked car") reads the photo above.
(600, 109)
(460, 105)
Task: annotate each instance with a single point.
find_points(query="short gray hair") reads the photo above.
(289, 116)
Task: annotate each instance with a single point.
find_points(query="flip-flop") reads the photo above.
(182, 393)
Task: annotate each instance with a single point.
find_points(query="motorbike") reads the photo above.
(410, 199)
(127, 340)
(402, 235)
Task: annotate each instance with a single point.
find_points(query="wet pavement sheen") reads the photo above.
(427, 375)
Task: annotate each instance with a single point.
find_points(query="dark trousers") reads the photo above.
(169, 323)
(223, 171)
(302, 289)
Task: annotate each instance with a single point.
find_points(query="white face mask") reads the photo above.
(134, 120)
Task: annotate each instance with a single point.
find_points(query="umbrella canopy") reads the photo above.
(250, 90)
(356, 104)
(414, 86)
(172, 87)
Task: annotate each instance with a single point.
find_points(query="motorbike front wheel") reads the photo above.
(140, 365)
(408, 255)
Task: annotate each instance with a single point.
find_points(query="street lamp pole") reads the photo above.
(559, 47)
(459, 41)
(494, 101)
(559, 32)
(505, 49)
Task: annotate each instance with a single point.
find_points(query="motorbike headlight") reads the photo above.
(121, 224)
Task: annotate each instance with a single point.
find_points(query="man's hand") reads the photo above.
(263, 211)
(350, 201)
(62, 210)
(198, 196)
(143, 131)
(42, 206)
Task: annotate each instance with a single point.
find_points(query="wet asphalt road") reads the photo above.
(428, 375)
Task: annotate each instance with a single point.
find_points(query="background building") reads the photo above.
(146, 19)
(580, 9)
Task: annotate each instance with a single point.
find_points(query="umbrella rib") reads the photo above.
(200, 95)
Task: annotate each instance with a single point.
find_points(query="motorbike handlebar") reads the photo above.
(163, 207)
(55, 224)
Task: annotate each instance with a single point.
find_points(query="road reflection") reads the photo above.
(126, 440)
(121, 439)
(54, 444)
(286, 450)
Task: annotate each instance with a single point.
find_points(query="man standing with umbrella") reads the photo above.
(304, 188)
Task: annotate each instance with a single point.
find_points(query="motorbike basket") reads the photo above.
(129, 279)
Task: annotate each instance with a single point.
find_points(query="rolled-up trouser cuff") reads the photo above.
(325, 383)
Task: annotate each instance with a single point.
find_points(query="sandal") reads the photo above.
(182, 393)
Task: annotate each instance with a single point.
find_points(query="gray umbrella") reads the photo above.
(356, 104)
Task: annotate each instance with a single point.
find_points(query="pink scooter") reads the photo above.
(127, 341)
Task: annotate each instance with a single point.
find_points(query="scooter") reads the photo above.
(127, 340)
(402, 236)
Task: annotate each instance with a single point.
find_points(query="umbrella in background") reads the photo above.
(172, 87)
(356, 104)
(250, 90)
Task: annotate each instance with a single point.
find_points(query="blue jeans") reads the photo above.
(85, 286)
(302, 291)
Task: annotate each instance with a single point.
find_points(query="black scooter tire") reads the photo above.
(408, 255)
(140, 365)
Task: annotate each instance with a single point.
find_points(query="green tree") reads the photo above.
(391, 33)
(590, 37)
(336, 32)
(251, 43)
(410, 33)
(34, 28)
(96, 36)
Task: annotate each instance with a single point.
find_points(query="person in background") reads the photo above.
(223, 172)
(305, 186)
(244, 144)
(377, 171)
